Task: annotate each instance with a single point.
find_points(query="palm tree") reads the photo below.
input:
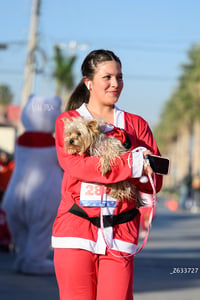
(182, 110)
(190, 96)
(63, 73)
(6, 95)
(184, 105)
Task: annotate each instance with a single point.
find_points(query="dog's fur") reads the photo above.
(85, 136)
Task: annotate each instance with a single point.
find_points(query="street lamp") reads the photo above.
(73, 46)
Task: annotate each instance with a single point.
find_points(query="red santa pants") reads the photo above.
(82, 275)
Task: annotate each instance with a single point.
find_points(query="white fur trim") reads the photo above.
(137, 161)
(124, 246)
(137, 164)
(119, 118)
(80, 243)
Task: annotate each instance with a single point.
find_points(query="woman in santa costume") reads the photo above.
(93, 256)
(33, 194)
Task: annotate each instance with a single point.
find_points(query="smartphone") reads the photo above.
(159, 164)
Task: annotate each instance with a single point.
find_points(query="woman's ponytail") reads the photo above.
(79, 96)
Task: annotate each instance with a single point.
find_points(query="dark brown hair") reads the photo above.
(89, 66)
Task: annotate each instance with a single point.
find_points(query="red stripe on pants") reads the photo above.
(82, 275)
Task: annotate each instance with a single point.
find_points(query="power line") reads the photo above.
(11, 71)
(150, 77)
(6, 45)
(128, 76)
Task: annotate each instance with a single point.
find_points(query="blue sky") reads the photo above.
(151, 38)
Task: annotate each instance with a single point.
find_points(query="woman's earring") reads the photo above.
(89, 85)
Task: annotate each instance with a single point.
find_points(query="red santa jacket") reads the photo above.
(72, 231)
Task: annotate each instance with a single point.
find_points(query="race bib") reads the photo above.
(91, 196)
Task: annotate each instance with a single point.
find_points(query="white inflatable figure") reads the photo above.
(33, 194)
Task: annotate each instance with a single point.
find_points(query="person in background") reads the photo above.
(7, 165)
(91, 262)
(6, 169)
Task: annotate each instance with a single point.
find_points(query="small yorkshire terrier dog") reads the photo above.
(86, 136)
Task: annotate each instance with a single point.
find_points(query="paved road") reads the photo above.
(173, 246)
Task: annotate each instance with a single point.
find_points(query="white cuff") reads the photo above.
(137, 162)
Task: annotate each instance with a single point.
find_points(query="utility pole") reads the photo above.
(29, 71)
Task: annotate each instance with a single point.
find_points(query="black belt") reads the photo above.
(110, 220)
